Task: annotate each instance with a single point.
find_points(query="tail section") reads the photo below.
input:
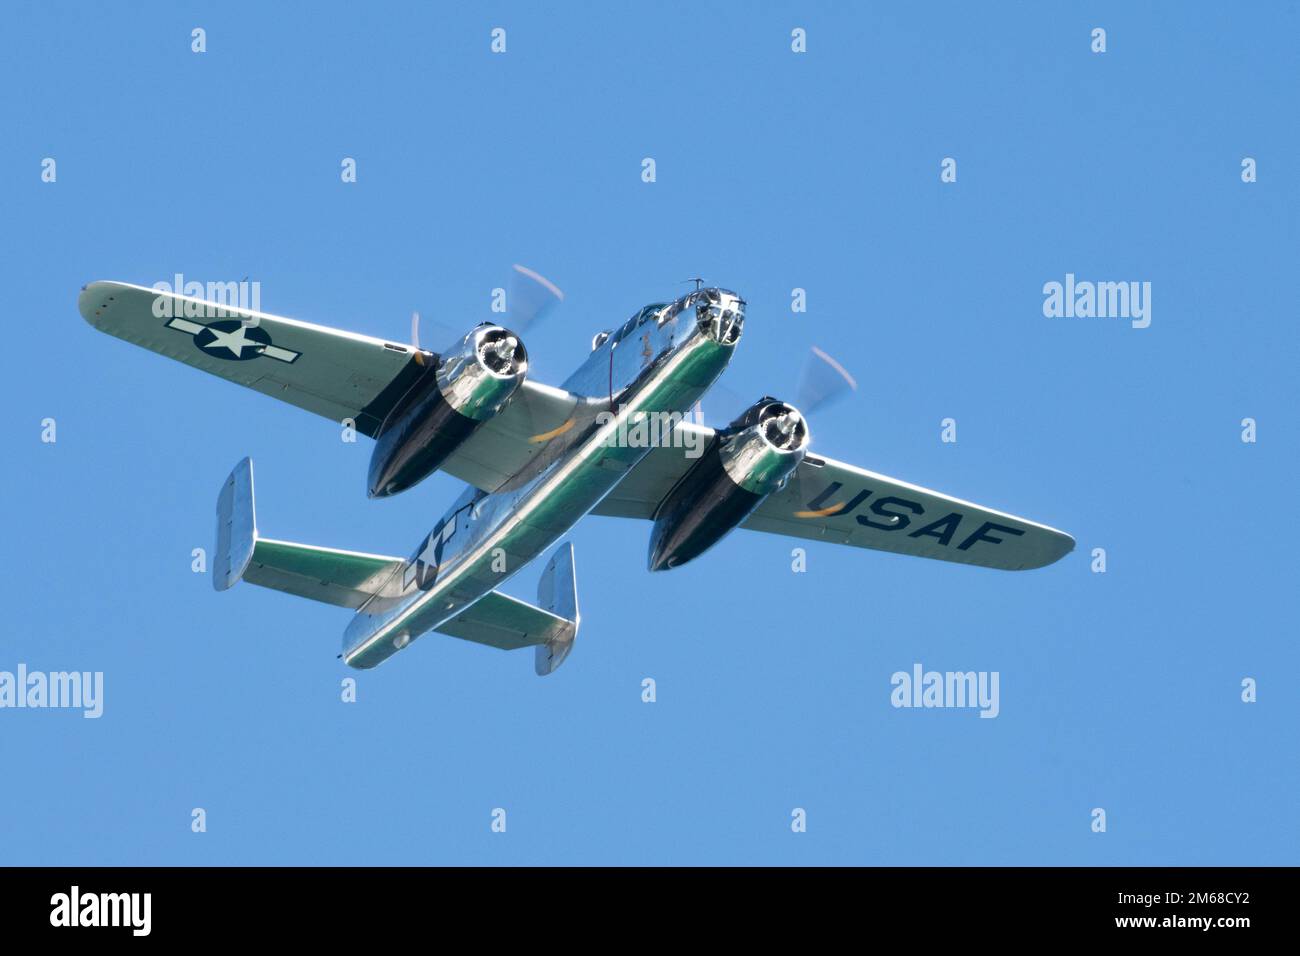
(557, 592)
(328, 575)
(350, 579)
(506, 622)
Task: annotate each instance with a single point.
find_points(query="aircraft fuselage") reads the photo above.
(660, 362)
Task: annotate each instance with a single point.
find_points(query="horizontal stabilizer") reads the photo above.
(506, 622)
(328, 575)
(342, 578)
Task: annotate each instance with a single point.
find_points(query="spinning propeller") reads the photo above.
(822, 382)
(530, 296)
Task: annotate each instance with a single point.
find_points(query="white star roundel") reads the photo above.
(232, 340)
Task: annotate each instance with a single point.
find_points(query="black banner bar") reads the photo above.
(337, 904)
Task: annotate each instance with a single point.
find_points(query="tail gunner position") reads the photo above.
(536, 459)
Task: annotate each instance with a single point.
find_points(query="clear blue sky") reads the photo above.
(775, 170)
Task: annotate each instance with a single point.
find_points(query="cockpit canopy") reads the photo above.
(641, 316)
(705, 301)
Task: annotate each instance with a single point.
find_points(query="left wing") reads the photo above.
(534, 427)
(829, 500)
(327, 371)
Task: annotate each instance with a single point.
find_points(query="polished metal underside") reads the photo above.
(661, 361)
(536, 459)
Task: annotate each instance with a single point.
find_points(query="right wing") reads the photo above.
(330, 372)
(829, 500)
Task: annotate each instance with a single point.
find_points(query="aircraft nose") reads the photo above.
(721, 315)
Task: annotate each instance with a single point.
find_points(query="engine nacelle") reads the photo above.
(463, 388)
(745, 463)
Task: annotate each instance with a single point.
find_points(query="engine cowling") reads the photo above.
(745, 463)
(462, 389)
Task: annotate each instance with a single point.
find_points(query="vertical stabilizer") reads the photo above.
(557, 592)
(236, 527)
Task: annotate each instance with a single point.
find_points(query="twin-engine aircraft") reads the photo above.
(536, 459)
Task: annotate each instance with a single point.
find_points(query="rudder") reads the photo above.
(557, 592)
(236, 527)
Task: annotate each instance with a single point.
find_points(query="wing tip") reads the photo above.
(94, 298)
(1060, 544)
(87, 299)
